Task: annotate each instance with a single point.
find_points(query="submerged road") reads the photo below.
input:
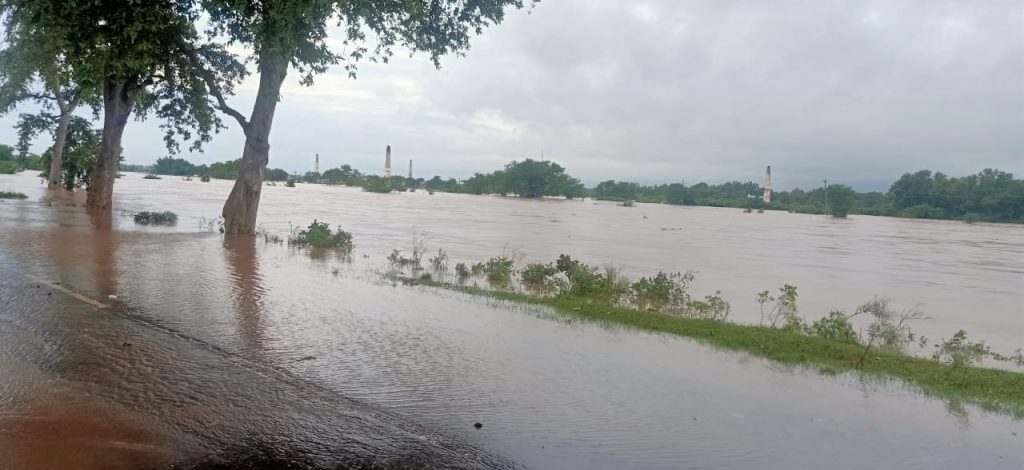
(90, 383)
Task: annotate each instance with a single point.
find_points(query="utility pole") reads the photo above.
(826, 197)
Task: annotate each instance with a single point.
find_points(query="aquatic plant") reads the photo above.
(12, 195)
(319, 235)
(156, 218)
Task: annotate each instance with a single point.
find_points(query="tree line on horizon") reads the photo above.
(990, 195)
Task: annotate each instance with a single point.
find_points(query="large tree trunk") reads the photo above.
(117, 106)
(57, 154)
(244, 202)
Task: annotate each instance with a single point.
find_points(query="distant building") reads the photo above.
(387, 162)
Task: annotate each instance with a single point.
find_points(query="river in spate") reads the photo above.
(549, 391)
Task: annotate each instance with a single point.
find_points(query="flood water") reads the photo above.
(226, 337)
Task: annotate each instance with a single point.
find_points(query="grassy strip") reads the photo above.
(12, 195)
(993, 389)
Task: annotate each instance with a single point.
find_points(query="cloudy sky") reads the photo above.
(669, 90)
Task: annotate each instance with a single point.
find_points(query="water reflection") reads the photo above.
(247, 292)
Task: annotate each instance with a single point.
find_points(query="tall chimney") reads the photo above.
(768, 185)
(316, 165)
(387, 163)
(410, 169)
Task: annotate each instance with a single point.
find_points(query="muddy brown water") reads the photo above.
(231, 344)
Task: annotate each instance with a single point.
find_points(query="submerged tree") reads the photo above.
(143, 57)
(293, 33)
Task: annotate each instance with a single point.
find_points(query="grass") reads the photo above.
(993, 389)
(12, 195)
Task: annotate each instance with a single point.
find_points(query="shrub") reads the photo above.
(627, 203)
(319, 235)
(784, 310)
(498, 269)
(462, 271)
(581, 280)
(156, 218)
(836, 327)
(661, 291)
(151, 176)
(8, 167)
(205, 178)
(440, 262)
(12, 195)
(890, 329)
(713, 307)
(537, 273)
(959, 351)
(290, 183)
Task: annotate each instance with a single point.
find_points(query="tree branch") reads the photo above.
(211, 83)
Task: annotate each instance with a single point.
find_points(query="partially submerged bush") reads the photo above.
(498, 269)
(782, 309)
(537, 273)
(440, 262)
(462, 271)
(890, 329)
(959, 351)
(205, 178)
(319, 235)
(12, 195)
(661, 291)
(290, 183)
(156, 218)
(836, 327)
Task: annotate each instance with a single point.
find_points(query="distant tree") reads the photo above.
(840, 199)
(276, 174)
(174, 166)
(224, 170)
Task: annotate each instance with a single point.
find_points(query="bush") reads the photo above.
(537, 273)
(836, 327)
(12, 195)
(290, 183)
(891, 329)
(156, 218)
(582, 280)
(8, 167)
(205, 178)
(462, 271)
(319, 235)
(784, 309)
(498, 269)
(661, 291)
(959, 351)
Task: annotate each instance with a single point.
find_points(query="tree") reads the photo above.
(532, 178)
(144, 57)
(33, 68)
(80, 150)
(840, 199)
(286, 33)
(174, 166)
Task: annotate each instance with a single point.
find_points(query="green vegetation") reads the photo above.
(9, 168)
(156, 218)
(319, 235)
(661, 303)
(12, 195)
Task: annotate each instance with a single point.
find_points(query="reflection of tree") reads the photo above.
(104, 244)
(247, 290)
(959, 412)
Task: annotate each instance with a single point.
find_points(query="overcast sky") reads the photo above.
(668, 90)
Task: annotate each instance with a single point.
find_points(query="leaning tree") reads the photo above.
(143, 56)
(283, 34)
